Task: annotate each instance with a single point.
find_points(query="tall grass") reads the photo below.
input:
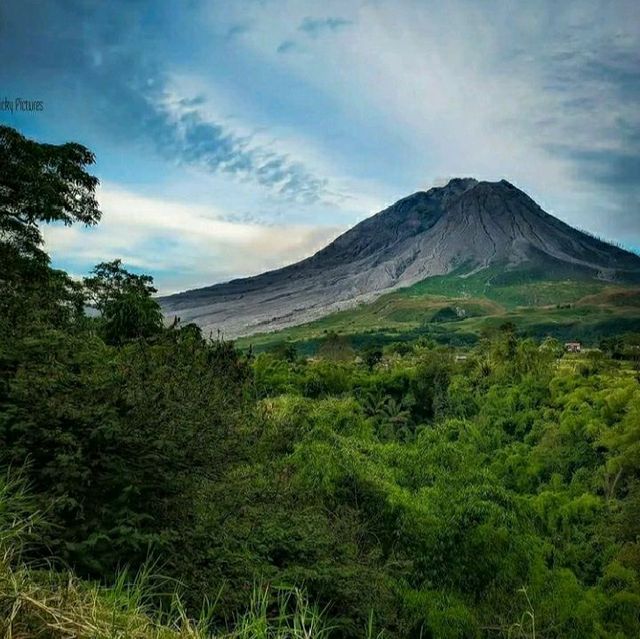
(40, 601)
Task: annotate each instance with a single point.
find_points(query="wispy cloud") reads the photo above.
(286, 46)
(183, 133)
(125, 89)
(313, 28)
(316, 26)
(187, 245)
(237, 30)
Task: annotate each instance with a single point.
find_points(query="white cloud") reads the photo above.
(482, 89)
(183, 245)
(242, 120)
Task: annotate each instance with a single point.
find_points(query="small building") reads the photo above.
(573, 347)
(461, 358)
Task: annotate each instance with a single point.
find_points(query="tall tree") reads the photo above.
(39, 183)
(42, 183)
(124, 300)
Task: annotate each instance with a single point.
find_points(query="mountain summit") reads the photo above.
(459, 229)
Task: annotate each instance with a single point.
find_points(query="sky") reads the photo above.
(238, 136)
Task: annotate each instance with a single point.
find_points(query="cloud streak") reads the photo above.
(183, 133)
(313, 28)
(317, 26)
(287, 45)
(130, 90)
(189, 245)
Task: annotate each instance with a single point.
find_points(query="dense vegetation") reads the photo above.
(414, 490)
(452, 313)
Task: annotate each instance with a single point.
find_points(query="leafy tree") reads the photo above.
(124, 300)
(119, 441)
(39, 183)
(553, 345)
(42, 183)
(272, 375)
(285, 350)
(612, 346)
(372, 356)
(336, 348)
(111, 281)
(430, 383)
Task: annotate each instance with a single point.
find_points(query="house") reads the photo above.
(573, 347)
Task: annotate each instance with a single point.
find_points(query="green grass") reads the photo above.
(567, 309)
(513, 289)
(43, 601)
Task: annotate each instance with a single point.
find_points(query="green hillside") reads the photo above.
(457, 311)
(157, 484)
(508, 288)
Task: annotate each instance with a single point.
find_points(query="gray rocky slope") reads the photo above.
(461, 228)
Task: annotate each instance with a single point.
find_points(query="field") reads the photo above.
(458, 311)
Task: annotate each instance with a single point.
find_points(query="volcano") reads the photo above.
(461, 229)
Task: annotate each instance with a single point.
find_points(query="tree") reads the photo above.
(553, 346)
(372, 355)
(42, 183)
(612, 346)
(111, 280)
(336, 348)
(119, 441)
(285, 351)
(124, 300)
(39, 183)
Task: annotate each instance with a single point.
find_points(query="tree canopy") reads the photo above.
(407, 491)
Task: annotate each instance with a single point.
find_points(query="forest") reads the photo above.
(156, 482)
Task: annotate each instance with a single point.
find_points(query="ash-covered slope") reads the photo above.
(463, 227)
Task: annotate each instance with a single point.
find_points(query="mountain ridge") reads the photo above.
(463, 227)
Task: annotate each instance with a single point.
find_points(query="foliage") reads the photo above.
(111, 439)
(42, 183)
(55, 604)
(39, 183)
(415, 487)
(127, 310)
(336, 348)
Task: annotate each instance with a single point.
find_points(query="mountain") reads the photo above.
(463, 229)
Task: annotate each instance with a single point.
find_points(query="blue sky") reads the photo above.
(237, 136)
